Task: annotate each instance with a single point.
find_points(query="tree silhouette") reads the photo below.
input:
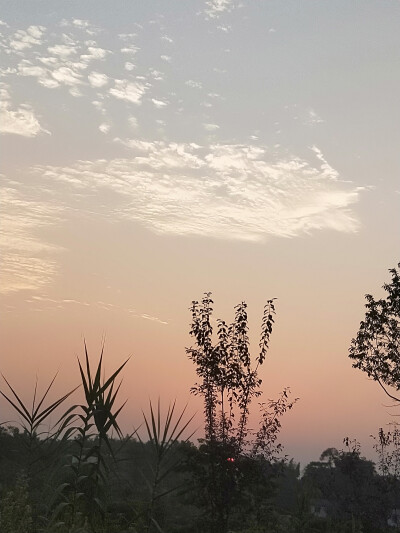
(229, 382)
(376, 348)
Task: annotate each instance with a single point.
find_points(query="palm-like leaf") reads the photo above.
(35, 416)
(162, 435)
(100, 398)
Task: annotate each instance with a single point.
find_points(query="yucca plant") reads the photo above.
(163, 435)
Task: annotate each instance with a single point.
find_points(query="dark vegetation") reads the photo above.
(85, 476)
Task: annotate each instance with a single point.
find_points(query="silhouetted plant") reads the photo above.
(42, 446)
(229, 382)
(34, 417)
(163, 437)
(376, 348)
(387, 446)
(97, 417)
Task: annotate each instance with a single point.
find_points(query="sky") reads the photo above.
(154, 151)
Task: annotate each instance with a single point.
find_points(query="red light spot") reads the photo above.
(230, 460)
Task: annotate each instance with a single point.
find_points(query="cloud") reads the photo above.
(95, 52)
(215, 8)
(97, 79)
(156, 74)
(36, 31)
(326, 168)
(20, 121)
(152, 318)
(313, 118)
(75, 92)
(25, 68)
(130, 50)
(79, 23)
(227, 191)
(65, 63)
(45, 302)
(25, 39)
(133, 123)
(194, 84)
(104, 128)
(62, 50)
(67, 76)
(128, 91)
(64, 73)
(49, 83)
(99, 105)
(159, 103)
(27, 262)
(225, 29)
(211, 127)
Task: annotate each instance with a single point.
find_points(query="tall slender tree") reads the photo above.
(229, 382)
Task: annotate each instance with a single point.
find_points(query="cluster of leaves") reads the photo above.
(376, 348)
(229, 382)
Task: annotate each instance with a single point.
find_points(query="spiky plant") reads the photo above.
(97, 418)
(163, 435)
(42, 445)
(34, 417)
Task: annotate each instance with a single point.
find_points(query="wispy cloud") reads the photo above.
(97, 79)
(46, 302)
(25, 39)
(159, 103)
(104, 127)
(17, 121)
(313, 118)
(211, 127)
(226, 191)
(64, 67)
(128, 91)
(27, 261)
(215, 8)
(194, 84)
(167, 39)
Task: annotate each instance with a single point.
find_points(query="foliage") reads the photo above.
(376, 348)
(273, 497)
(163, 439)
(15, 508)
(229, 382)
(349, 488)
(387, 445)
(83, 499)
